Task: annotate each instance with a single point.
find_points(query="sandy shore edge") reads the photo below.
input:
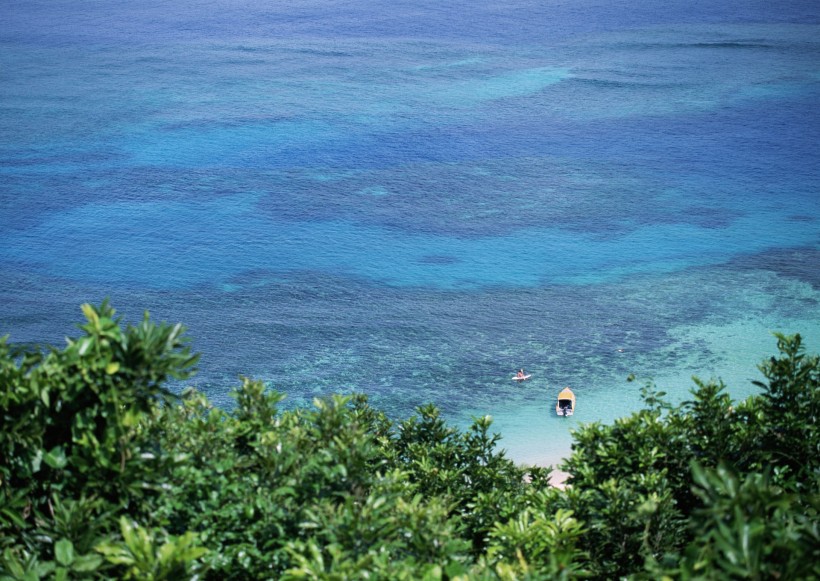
(558, 479)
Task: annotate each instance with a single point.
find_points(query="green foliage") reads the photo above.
(82, 408)
(140, 556)
(92, 443)
(386, 536)
(537, 537)
(72, 446)
(462, 467)
(297, 488)
(643, 504)
(750, 528)
(791, 405)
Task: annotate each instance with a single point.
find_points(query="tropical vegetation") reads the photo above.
(105, 473)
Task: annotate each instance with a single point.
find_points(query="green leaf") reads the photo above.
(86, 563)
(167, 552)
(115, 554)
(56, 458)
(37, 461)
(12, 564)
(64, 552)
(15, 518)
(85, 344)
(89, 312)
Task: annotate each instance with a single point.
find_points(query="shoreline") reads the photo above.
(558, 479)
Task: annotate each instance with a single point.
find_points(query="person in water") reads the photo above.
(520, 374)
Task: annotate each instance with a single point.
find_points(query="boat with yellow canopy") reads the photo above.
(566, 403)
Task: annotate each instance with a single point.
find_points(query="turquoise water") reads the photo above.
(415, 200)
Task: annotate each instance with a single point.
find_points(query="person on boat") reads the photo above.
(520, 374)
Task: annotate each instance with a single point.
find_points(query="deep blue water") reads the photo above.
(415, 199)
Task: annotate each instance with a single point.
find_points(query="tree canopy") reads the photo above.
(104, 473)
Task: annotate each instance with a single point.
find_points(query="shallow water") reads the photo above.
(413, 201)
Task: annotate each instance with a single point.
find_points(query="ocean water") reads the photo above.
(413, 200)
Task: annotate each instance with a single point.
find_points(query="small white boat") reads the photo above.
(566, 403)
